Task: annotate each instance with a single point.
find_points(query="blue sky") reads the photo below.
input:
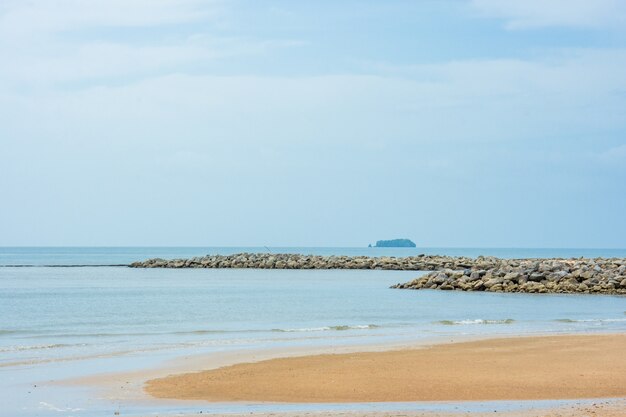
(331, 123)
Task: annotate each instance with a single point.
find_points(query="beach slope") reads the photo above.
(525, 368)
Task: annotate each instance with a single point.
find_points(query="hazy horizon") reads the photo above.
(417, 248)
(469, 123)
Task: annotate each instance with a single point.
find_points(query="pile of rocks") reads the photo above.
(599, 275)
(294, 261)
(602, 276)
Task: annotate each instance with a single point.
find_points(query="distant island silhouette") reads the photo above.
(394, 243)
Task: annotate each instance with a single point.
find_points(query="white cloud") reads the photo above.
(575, 77)
(75, 41)
(18, 17)
(570, 92)
(42, 41)
(615, 156)
(99, 59)
(476, 101)
(525, 14)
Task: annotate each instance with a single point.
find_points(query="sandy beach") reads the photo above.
(525, 368)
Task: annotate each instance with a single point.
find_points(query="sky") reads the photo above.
(455, 123)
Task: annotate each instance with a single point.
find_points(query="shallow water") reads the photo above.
(57, 323)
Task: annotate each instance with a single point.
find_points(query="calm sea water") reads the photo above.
(62, 322)
(126, 255)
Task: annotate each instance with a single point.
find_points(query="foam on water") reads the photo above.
(327, 328)
(595, 321)
(475, 321)
(20, 348)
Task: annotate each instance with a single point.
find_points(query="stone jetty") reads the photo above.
(294, 261)
(484, 273)
(598, 276)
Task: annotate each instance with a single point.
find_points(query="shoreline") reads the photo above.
(132, 382)
(126, 388)
(600, 408)
(535, 368)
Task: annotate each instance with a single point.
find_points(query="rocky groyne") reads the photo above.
(294, 261)
(598, 276)
(484, 273)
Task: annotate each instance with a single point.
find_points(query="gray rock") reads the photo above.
(604, 276)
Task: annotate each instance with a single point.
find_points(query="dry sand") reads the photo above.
(528, 368)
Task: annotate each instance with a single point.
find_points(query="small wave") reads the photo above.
(75, 335)
(53, 407)
(357, 327)
(125, 334)
(212, 331)
(477, 321)
(327, 328)
(591, 320)
(5, 332)
(198, 332)
(37, 347)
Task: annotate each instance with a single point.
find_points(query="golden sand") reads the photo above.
(551, 367)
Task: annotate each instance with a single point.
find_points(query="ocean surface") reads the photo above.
(72, 256)
(60, 322)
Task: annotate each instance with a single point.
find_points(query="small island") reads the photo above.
(394, 243)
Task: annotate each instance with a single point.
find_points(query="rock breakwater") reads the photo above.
(484, 273)
(600, 276)
(295, 261)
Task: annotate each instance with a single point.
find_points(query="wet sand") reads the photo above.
(594, 409)
(527, 368)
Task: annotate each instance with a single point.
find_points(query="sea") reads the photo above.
(76, 312)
